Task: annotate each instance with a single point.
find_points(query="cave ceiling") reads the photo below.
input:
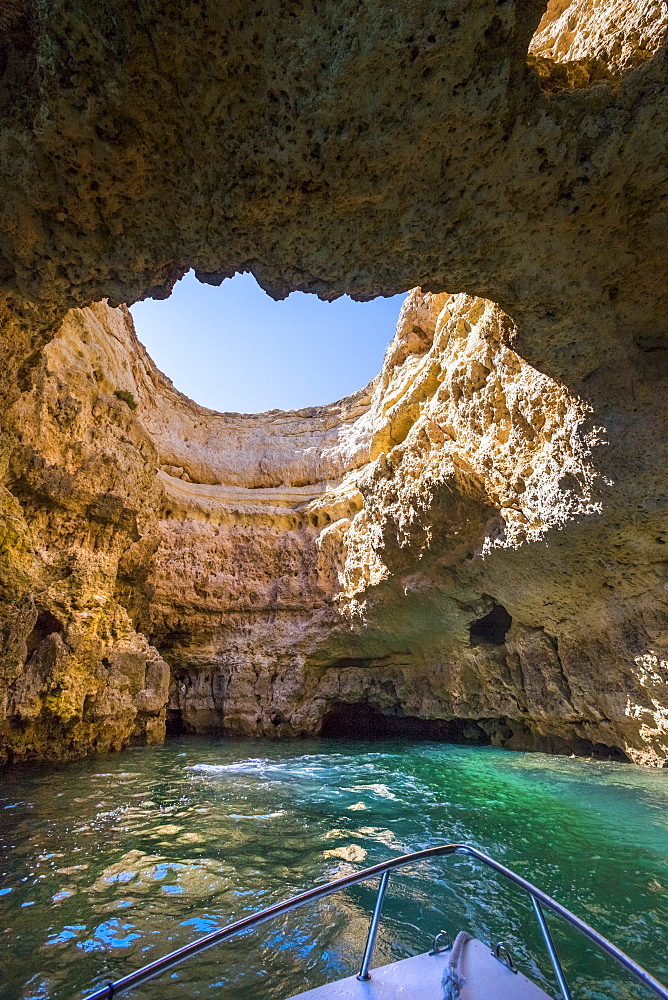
(345, 147)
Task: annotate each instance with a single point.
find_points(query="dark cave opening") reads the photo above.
(492, 628)
(601, 751)
(361, 721)
(515, 734)
(582, 747)
(176, 725)
(45, 626)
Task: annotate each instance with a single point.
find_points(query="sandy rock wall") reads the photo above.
(582, 41)
(81, 495)
(457, 543)
(478, 537)
(486, 485)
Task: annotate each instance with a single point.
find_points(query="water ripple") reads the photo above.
(106, 870)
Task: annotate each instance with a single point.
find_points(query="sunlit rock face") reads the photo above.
(478, 537)
(481, 558)
(449, 544)
(579, 42)
(76, 675)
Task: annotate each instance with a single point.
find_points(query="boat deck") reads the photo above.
(420, 978)
(471, 970)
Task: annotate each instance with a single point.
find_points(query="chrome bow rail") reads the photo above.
(538, 898)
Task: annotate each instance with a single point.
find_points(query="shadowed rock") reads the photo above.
(511, 454)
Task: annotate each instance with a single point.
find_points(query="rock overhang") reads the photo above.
(338, 149)
(333, 148)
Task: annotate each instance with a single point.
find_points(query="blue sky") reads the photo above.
(234, 348)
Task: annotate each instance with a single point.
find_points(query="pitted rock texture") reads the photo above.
(339, 147)
(478, 537)
(458, 543)
(76, 675)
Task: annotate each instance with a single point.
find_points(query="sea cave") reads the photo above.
(468, 552)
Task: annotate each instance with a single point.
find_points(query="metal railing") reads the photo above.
(538, 898)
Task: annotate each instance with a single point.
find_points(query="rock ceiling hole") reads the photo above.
(235, 349)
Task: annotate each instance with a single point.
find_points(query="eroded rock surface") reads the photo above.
(456, 543)
(486, 484)
(337, 148)
(76, 675)
(478, 537)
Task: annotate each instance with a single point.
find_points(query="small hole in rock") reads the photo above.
(45, 626)
(492, 628)
(176, 725)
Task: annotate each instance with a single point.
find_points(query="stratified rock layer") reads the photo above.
(477, 538)
(449, 544)
(484, 484)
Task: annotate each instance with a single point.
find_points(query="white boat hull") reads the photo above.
(483, 977)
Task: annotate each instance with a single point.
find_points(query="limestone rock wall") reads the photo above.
(478, 537)
(454, 543)
(591, 41)
(81, 497)
(485, 485)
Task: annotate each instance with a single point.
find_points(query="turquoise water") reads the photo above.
(110, 862)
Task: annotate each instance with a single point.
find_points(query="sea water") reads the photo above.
(111, 862)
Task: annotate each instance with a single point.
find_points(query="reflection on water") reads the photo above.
(111, 862)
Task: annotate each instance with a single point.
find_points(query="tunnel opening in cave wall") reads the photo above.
(362, 721)
(601, 751)
(492, 628)
(176, 725)
(45, 626)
